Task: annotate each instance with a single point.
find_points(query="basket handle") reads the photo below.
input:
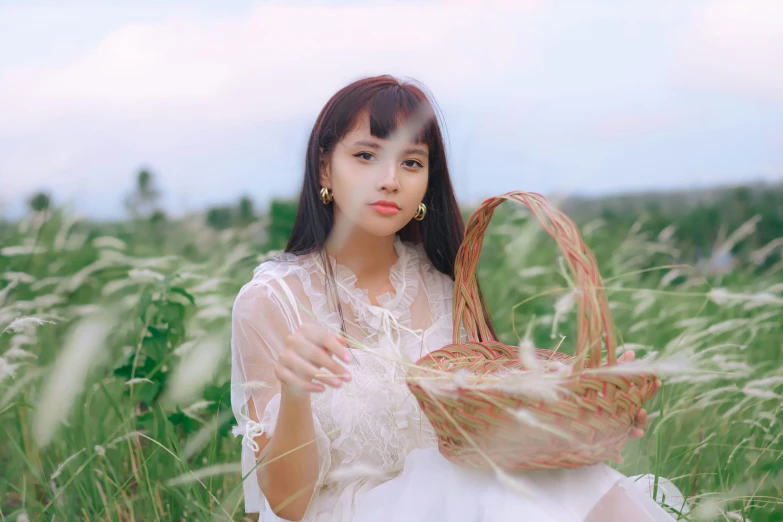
(594, 317)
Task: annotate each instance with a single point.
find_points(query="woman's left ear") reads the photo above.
(324, 174)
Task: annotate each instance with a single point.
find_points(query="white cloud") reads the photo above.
(735, 44)
(536, 94)
(149, 89)
(278, 59)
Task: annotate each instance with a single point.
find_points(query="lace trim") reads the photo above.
(393, 307)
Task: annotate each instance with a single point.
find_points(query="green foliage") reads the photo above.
(169, 284)
(220, 218)
(40, 202)
(282, 215)
(245, 212)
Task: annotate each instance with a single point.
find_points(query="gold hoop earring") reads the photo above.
(421, 211)
(326, 195)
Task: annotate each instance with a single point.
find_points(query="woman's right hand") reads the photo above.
(306, 352)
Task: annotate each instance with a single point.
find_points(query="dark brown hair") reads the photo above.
(386, 100)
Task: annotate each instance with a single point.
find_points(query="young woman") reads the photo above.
(372, 255)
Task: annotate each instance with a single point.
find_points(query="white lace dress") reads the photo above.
(378, 453)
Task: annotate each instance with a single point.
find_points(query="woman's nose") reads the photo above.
(389, 179)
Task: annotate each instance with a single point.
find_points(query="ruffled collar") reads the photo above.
(402, 276)
(393, 311)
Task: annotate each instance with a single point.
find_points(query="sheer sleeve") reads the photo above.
(263, 315)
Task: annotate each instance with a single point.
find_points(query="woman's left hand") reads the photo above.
(641, 416)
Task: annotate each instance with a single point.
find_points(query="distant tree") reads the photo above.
(245, 212)
(282, 214)
(143, 201)
(220, 218)
(158, 218)
(40, 202)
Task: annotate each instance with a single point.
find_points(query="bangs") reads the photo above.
(393, 106)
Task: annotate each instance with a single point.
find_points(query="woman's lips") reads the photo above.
(386, 210)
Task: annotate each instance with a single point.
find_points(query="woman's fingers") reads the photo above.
(334, 343)
(322, 358)
(323, 346)
(640, 421)
(635, 433)
(641, 418)
(304, 369)
(285, 375)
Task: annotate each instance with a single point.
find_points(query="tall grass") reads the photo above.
(114, 368)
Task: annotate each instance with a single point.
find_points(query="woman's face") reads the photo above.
(363, 169)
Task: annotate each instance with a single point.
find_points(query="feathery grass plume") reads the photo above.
(25, 324)
(37, 286)
(356, 471)
(202, 437)
(760, 255)
(536, 385)
(436, 388)
(19, 385)
(7, 290)
(7, 369)
(209, 471)
(109, 242)
(145, 275)
(16, 353)
(667, 233)
(71, 283)
(669, 277)
(7, 314)
(675, 364)
(194, 408)
(19, 277)
(709, 510)
(115, 286)
(762, 299)
(534, 271)
(520, 238)
(527, 353)
(630, 347)
(528, 417)
(254, 385)
(240, 252)
(640, 325)
(592, 226)
(46, 301)
(138, 380)
(196, 369)
(84, 348)
(210, 313)
(644, 304)
(22, 250)
(514, 484)
(185, 347)
(125, 437)
(208, 285)
(68, 221)
(62, 465)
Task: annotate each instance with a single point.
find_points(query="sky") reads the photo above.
(217, 98)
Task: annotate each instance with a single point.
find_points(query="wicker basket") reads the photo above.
(477, 427)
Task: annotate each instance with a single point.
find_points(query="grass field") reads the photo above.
(114, 392)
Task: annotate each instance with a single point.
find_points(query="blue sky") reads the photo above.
(218, 98)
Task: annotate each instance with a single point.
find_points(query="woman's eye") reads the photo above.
(363, 154)
(415, 163)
